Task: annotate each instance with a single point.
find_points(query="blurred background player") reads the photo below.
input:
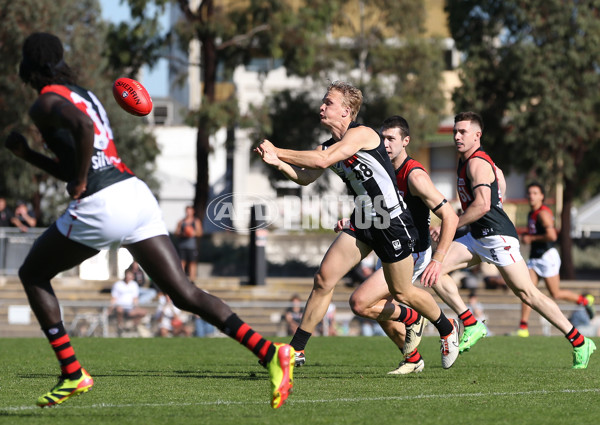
(188, 230)
(544, 260)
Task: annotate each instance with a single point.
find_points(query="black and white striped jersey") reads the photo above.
(369, 175)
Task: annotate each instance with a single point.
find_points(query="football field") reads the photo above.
(503, 380)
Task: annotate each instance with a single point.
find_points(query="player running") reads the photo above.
(544, 260)
(380, 220)
(372, 297)
(110, 206)
(493, 237)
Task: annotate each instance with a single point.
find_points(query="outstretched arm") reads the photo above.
(302, 176)
(353, 140)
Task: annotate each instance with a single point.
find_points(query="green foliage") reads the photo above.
(319, 39)
(213, 116)
(291, 121)
(399, 71)
(139, 41)
(532, 71)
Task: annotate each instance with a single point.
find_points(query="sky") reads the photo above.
(156, 80)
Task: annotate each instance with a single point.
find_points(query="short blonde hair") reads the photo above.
(352, 96)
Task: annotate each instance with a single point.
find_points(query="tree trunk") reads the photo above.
(202, 186)
(209, 76)
(567, 269)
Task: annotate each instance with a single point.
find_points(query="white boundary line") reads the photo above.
(297, 401)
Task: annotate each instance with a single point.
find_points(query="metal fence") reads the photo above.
(14, 246)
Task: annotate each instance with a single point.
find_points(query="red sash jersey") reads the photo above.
(106, 166)
(495, 221)
(416, 206)
(535, 227)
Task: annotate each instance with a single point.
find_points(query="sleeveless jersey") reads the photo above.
(535, 227)
(369, 176)
(495, 221)
(418, 210)
(106, 167)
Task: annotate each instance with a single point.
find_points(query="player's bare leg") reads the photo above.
(343, 254)
(518, 280)
(51, 254)
(459, 257)
(158, 257)
(372, 299)
(398, 276)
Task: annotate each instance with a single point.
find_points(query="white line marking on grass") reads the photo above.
(300, 401)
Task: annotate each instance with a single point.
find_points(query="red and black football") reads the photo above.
(132, 96)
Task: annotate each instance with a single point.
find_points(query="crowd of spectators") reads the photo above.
(21, 217)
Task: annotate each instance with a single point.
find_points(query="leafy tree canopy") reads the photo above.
(381, 48)
(532, 71)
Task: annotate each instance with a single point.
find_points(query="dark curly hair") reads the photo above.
(43, 63)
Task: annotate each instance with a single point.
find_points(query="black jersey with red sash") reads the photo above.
(106, 167)
(495, 221)
(536, 227)
(416, 206)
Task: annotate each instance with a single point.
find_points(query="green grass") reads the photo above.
(503, 380)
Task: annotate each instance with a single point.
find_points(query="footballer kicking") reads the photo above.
(380, 221)
(109, 206)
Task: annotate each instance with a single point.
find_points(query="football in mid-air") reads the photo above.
(132, 96)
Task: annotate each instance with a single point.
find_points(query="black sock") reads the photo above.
(300, 339)
(443, 325)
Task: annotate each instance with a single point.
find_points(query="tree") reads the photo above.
(532, 70)
(78, 24)
(378, 45)
(309, 39)
(231, 35)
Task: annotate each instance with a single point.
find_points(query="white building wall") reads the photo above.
(176, 169)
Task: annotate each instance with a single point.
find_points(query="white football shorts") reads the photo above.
(546, 266)
(498, 250)
(420, 259)
(122, 213)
